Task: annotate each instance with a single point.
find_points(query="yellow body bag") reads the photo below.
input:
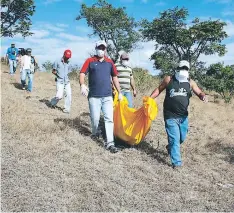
(132, 125)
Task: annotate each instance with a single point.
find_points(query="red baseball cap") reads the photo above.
(67, 53)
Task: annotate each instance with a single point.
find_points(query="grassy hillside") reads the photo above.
(49, 162)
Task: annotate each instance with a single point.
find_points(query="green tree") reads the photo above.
(112, 25)
(15, 17)
(220, 79)
(176, 39)
(48, 66)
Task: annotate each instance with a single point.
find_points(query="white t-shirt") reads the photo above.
(26, 62)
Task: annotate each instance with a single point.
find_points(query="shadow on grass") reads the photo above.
(48, 104)
(17, 86)
(82, 125)
(78, 124)
(224, 149)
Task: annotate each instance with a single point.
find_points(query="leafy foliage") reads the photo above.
(48, 66)
(220, 79)
(112, 25)
(143, 80)
(177, 40)
(15, 17)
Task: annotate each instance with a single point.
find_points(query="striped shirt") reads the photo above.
(124, 77)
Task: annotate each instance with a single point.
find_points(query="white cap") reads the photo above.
(184, 63)
(124, 55)
(101, 42)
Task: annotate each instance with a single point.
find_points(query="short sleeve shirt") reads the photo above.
(99, 76)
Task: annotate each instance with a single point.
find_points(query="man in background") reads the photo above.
(61, 68)
(28, 66)
(11, 57)
(125, 77)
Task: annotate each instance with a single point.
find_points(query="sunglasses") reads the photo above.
(125, 59)
(183, 68)
(101, 47)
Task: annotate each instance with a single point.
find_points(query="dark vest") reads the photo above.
(177, 97)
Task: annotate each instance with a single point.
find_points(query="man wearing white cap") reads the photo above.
(126, 79)
(178, 92)
(100, 70)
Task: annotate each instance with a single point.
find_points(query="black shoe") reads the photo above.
(176, 167)
(112, 149)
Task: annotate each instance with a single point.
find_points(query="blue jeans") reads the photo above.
(128, 95)
(12, 64)
(177, 129)
(106, 105)
(24, 74)
(63, 89)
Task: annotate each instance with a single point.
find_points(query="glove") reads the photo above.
(120, 97)
(134, 93)
(84, 90)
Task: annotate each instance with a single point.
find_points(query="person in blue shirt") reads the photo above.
(61, 68)
(12, 53)
(100, 71)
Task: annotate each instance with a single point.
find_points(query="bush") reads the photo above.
(220, 78)
(144, 81)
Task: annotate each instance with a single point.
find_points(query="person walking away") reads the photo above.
(11, 56)
(28, 65)
(100, 70)
(125, 77)
(61, 68)
(178, 92)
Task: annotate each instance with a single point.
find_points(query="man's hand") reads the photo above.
(203, 97)
(54, 72)
(84, 90)
(120, 97)
(134, 93)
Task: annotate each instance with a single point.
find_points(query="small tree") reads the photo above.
(112, 25)
(48, 66)
(220, 79)
(15, 17)
(177, 39)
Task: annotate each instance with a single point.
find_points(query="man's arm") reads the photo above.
(161, 87)
(116, 83)
(132, 83)
(198, 91)
(82, 78)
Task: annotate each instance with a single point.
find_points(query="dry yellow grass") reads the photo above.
(49, 162)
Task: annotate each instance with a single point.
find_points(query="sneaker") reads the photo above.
(66, 111)
(176, 167)
(23, 88)
(94, 137)
(112, 149)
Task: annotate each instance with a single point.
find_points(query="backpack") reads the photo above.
(22, 51)
(33, 60)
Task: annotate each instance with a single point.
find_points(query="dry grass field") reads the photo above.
(50, 163)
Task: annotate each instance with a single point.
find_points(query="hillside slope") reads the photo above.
(49, 162)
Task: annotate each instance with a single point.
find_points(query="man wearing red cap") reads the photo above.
(61, 69)
(100, 70)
